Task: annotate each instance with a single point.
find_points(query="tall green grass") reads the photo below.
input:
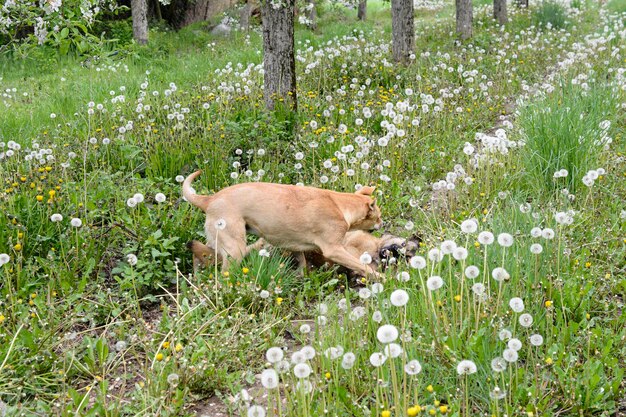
(563, 132)
(552, 13)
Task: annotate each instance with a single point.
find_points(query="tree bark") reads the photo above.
(279, 63)
(312, 15)
(139, 10)
(362, 13)
(464, 17)
(499, 11)
(402, 29)
(244, 17)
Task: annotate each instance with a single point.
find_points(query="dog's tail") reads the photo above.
(200, 201)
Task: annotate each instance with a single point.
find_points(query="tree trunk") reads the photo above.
(139, 10)
(157, 10)
(244, 17)
(402, 29)
(312, 15)
(499, 11)
(464, 16)
(279, 63)
(362, 13)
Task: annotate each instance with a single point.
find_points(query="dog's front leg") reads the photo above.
(340, 255)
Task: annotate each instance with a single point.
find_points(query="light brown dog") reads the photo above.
(298, 219)
(384, 250)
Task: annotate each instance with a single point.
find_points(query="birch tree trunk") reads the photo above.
(464, 17)
(402, 29)
(499, 11)
(139, 11)
(279, 63)
(362, 13)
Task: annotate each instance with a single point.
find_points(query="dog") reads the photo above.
(384, 250)
(295, 218)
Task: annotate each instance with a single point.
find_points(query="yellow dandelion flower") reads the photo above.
(386, 413)
(159, 356)
(166, 345)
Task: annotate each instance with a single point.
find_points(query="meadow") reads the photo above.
(504, 155)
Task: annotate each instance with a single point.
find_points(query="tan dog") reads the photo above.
(384, 250)
(299, 219)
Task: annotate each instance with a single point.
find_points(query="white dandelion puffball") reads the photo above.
(264, 294)
(4, 259)
(377, 316)
(536, 340)
(179, 178)
(387, 333)
(131, 259)
(282, 367)
(485, 238)
(302, 370)
(500, 274)
(472, 272)
(365, 293)
(256, 411)
(393, 350)
(305, 328)
(413, 367)
(505, 240)
(403, 276)
(535, 232)
(547, 233)
(466, 367)
(514, 344)
(160, 198)
(377, 359)
(173, 379)
(322, 320)
(220, 224)
(347, 363)
(505, 334)
(516, 304)
(138, 198)
(510, 355)
(365, 258)
(434, 283)
(469, 226)
(478, 289)
(131, 202)
(536, 248)
(417, 262)
(274, 354)
(269, 379)
(308, 352)
(435, 255)
(498, 364)
(526, 320)
(56, 217)
(399, 298)
(447, 246)
(377, 288)
(460, 253)
(298, 357)
(76, 222)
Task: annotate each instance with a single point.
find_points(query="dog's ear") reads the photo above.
(365, 190)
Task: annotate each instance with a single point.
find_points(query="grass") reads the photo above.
(86, 330)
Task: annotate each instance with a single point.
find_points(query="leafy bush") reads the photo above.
(64, 25)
